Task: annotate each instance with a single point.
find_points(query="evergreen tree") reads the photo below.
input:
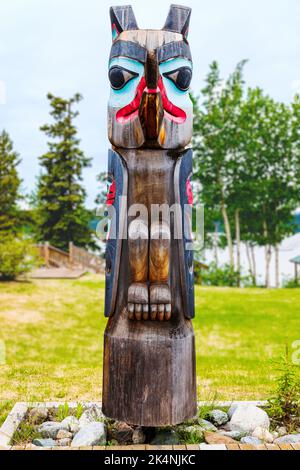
(62, 215)
(9, 185)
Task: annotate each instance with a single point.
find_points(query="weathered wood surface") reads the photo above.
(149, 377)
(149, 351)
(149, 373)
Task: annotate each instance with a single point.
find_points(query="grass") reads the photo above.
(53, 336)
(25, 433)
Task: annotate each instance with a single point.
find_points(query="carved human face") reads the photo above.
(150, 74)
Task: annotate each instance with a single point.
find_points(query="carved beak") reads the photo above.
(151, 109)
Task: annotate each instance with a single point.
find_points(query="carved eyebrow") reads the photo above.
(129, 49)
(172, 50)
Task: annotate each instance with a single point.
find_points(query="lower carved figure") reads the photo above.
(149, 374)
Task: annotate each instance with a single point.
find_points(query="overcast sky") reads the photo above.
(62, 46)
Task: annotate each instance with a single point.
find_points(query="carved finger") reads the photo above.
(153, 311)
(138, 311)
(145, 311)
(161, 312)
(168, 311)
(131, 311)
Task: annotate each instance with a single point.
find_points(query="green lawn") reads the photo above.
(53, 334)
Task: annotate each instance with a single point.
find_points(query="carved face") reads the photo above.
(150, 73)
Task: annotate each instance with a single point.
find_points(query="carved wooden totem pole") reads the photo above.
(149, 352)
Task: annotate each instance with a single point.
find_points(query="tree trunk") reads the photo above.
(215, 245)
(252, 252)
(268, 254)
(238, 244)
(251, 270)
(277, 275)
(228, 234)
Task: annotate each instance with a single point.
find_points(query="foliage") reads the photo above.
(63, 412)
(247, 164)
(78, 411)
(60, 196)
(17, 257)
(25, 433)
(223, 276)
(284, 406)
(5, 408)
(9, 184)
(291, 283)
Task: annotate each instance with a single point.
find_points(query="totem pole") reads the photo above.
(149, 374)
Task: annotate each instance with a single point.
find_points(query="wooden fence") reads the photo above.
(75, 258)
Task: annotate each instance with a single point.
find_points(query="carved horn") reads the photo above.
(178, 19)
(122, 19)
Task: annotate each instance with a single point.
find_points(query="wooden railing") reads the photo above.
(76, 258)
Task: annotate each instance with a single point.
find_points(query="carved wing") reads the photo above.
(117, 174)
(183, 172)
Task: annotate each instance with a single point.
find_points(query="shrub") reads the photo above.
(291, 283)
(223, 276)
(17, 256)
(284, 406)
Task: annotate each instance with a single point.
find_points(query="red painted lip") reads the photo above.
(172, 112)
(129, 112)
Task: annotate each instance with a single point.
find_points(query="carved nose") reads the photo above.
(151, 71)
(151, 114)
(151, 109)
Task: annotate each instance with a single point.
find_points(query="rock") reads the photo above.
(288, 439)
(165, 437)
(63, 442)
(122, 432)
(263, 434)
(225, 427)
(71, 424)
(251, 440)
(44, 442)
(216, 438)
(92, 434)
(237, 435)
(282, 431)
(49, 429)
(38, 415)
(63, 434)
(90, 415)
(192, 433)
(138, 436)
(248, 417)
(218, 417)
(232, 409)
(206, 425)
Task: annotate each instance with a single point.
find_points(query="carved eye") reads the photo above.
(180, 77)
(118, 76)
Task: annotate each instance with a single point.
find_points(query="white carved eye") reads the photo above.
(119, 76)
(181, 77)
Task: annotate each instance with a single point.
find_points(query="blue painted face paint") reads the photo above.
(123, 96)
(177, 96)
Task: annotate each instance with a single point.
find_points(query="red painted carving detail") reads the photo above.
(110, 199)
(189, 192)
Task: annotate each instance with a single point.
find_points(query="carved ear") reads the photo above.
(178, 20)
(122, 19)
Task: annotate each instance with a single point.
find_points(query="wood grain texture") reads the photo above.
(149, 375)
